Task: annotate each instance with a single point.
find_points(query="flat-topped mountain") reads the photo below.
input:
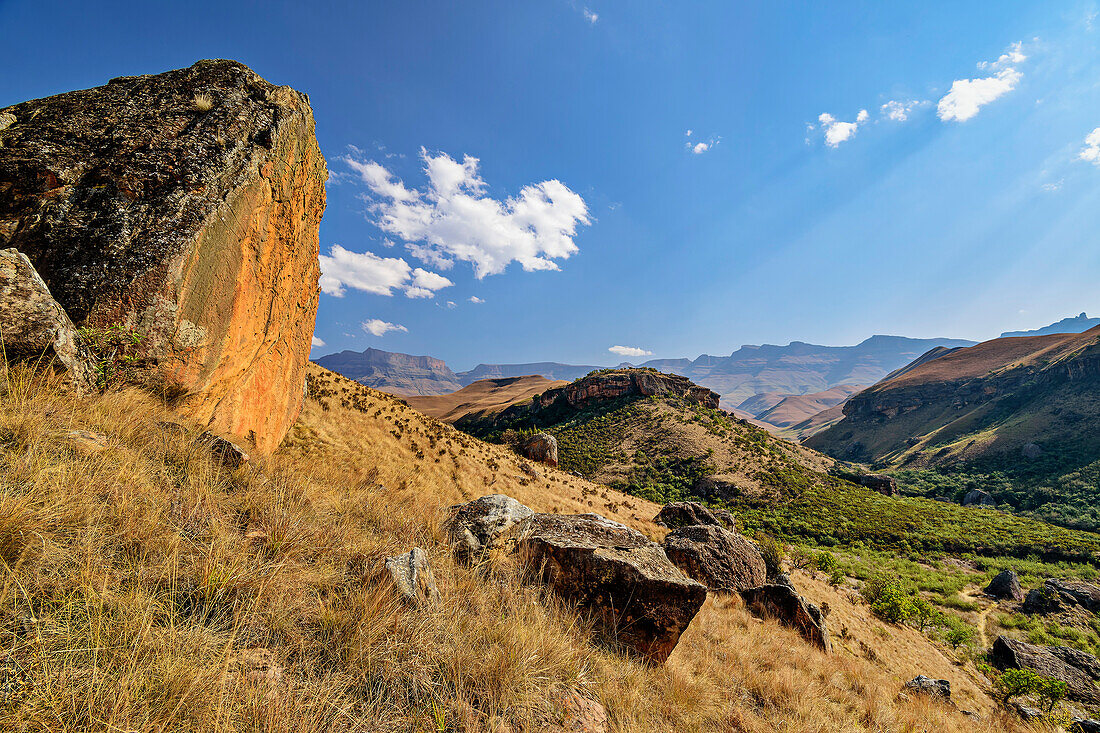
(402, 374)
(1024, 408)
(482, 398)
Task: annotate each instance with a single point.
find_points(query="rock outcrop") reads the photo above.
(1056, 595)
(1006, 585)
(472, 527)
(412, 577)
(977, 497)
(690, 513)
(783, 603)
(1079, 670)
(193, 226)
(640, 600)
(721, 560)
(541, 447)
(34, 327)
(937, 689)
(883, 484)
(615, 383)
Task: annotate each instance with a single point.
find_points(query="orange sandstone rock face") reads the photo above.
(193, 228)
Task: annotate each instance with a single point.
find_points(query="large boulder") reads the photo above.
(183, 208)
(639, 599)
(977, 497)
(1079, 670)
(541, 447)
(472, 527)
(1055, 595)
(690, 513)
(883, 484)
(33, 326)
(783, 603)
(1006, 585)
(719, 559)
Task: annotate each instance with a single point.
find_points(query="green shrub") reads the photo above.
(889, 601)
(772, 552)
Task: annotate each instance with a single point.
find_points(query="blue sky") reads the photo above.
(977, 213)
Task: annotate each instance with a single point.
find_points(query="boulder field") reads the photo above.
(182, 208)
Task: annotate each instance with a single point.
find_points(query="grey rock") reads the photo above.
(541, 447)
(977, 497)
(231, 455)
(472, 527)
(1027, 713)
(1084, 725)
(1055, 595)
(719, 559)
(688, 513)
(1006, 584)
(412, 576)
(922, 685)
(34, 327)
(1079, 670)
(1031, 451)
(639, 600)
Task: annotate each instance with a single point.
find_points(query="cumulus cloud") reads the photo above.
(317, 342)
(968, 96)
(898, 110)
(1014, 55)
(1091, 151)
(476, 300)
(341, 269)
(1054, 185)
(590, 16)
(453, 220)
(836, 131)
(700, 147)
(378, 327)
(629, 351)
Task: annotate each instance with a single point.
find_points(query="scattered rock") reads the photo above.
(231, 455)
(197, 233)
(1079, 670)
(541, 447)
(86, 442)
(530, 470)
(473, 526)
(1031, 451)
(578, 714)
(689, 513)
(717, 558)
(784, 579)
(34, 327)
(639, 599)
(412, 576)
(1006, 584)
(883, 484)
(1026, 713)
(977, 497)
(938, 689)
(783, 603)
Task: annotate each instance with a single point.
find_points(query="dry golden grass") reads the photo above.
(145, 588)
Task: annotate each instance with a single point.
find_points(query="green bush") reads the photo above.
(772, 552)
(889, 601)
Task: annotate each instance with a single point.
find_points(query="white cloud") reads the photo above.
(1010, 57)
(590, 16)
(836, 131)
(475, 299)
(898, 111)
(1054, 185)
(451, 304)
(453, 220)
(1091, 151)
(378, 327)
(317, 342)
(968, 96)
(700, 148)
(342, 269)
(629, 351)
(687, 134)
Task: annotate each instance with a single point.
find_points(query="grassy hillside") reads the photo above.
(482, 397)
(666, 449)
(147, 588)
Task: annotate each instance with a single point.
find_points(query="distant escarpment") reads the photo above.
(1024, 411)
(180, 211)
(401, 374)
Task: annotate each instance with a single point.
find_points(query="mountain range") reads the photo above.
(1077, 324)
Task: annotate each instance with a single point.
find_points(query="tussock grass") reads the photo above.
(143, 587)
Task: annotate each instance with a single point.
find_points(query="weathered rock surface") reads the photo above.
(473, 526)
(977, 497)
(1006, 584)
(626, 382)
(412, 576)
(719, 559)
(1055, 595)
(690, 513)
(578, 714)
(33, 326)
(922, 685)
(1079, 670)
(783, 603)
(541, 447)
(228, 453)
(195, 229)
(1084, 725)
(881, 483)
(639, 599)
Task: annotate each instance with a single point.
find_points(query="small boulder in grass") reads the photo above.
(935, 689)
(412, 576)
(231, 455)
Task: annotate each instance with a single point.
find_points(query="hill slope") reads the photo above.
(180, 595)
(1023, 412)
(482, 397)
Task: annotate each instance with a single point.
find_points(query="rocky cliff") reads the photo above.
(182, 207)
(613, 383)
(401, 374)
